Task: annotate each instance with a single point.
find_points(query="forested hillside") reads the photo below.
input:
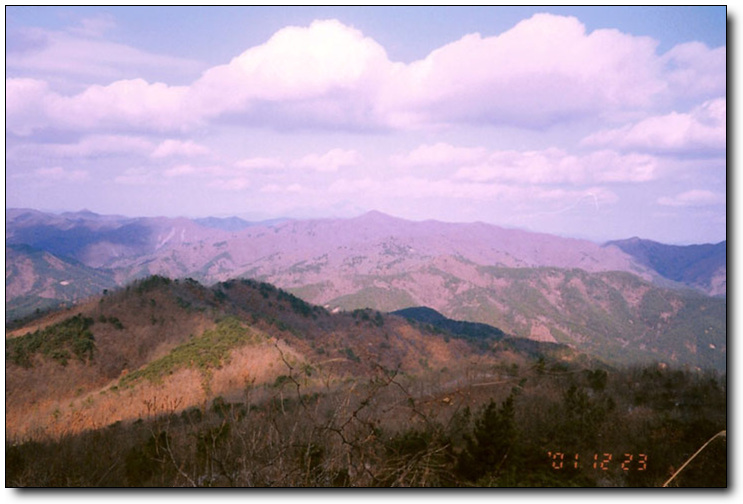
(170, 383)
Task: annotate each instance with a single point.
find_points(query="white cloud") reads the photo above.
(693, 198)
(439, 154)
(346, 186)
(330, 161)
(89, 146)
(260, 163)
(694, 70)
(198, 171)
(127, 103)
(283, 189)
(327, 71)
(58, 173)
(81, 52)
(408, 187)
(543, 71)
(122, 105)
(417, 187)
(702, 131)
(271, 189)
(180, 170)
(297, 63)
(98, 146)
(26, 103)
(547, 166)
(230, 184)
(170, 148)
(139, 176)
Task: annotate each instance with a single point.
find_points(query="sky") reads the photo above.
(593, 122)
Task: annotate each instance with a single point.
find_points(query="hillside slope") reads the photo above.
(36, 279)
(182, 343)
(170, 383)
(616, 316)
(700, 266)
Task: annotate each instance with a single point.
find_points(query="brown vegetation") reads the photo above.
(246, 385)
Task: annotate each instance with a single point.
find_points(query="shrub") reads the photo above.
(59, 342)
(205, 353)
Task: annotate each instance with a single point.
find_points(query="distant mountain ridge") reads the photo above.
(598, 298)
(227, 224)
(700, 266)
(324, 253)
(211, 249)
(38, 279)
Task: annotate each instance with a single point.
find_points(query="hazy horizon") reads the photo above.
(258, 220)
(593, 122)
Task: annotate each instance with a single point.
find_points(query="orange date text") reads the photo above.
(598, 461)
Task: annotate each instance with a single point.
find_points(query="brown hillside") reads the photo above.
(170, 345)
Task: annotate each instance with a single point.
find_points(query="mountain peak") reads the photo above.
(377, 216)
(81, 214)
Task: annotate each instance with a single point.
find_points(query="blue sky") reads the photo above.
(595, 122)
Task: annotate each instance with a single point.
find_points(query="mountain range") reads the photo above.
(172, 383)
(165, 337)
(622, 301)
(700, 266)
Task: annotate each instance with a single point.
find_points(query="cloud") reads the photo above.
(139, 176)
(695, 70)
(213, 176)
(323, 74)
(26, 105)
(544, 71)
(297, 63)
(327, 73)
(198, 171)
(58, 173)
(331, 161)
(547, 166)
(122, 105)
(260, 163)
(180, 170)
(412, 187)
(93, 146)
(94, 26)
(125, 104)
(693, 198)
(439, 154)
(218, 175)
(81, 52)
(231, 184)
(279, 189)
(702, 131)
(346, 186)
(171, 148)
